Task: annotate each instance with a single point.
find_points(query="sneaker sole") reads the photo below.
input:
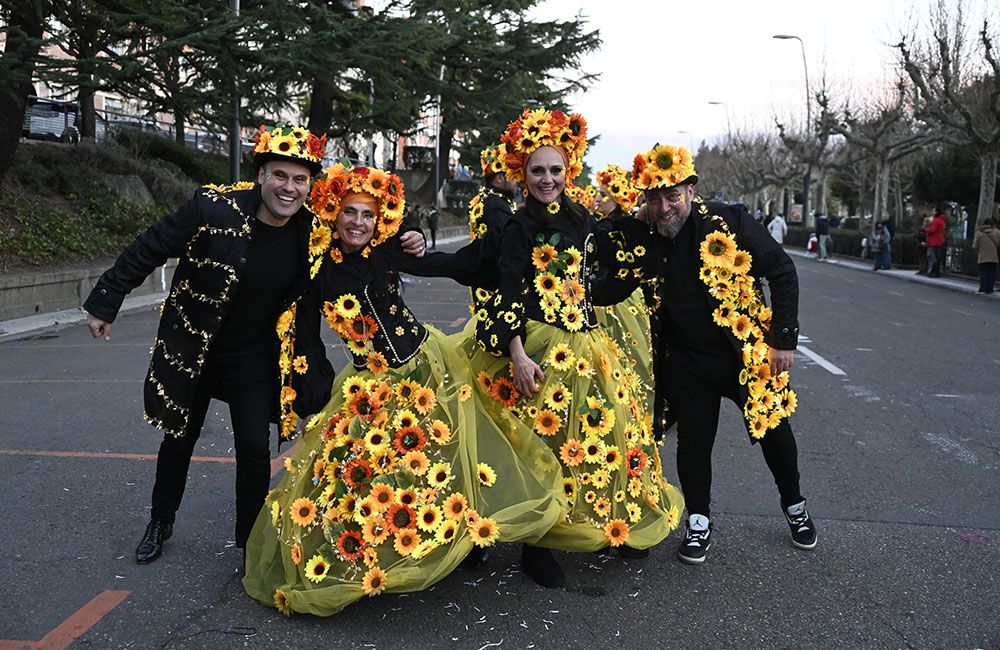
(805, 547)
(693, 560)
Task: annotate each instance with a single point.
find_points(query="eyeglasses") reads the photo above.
(300, 180)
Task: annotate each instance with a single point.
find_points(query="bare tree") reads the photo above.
(885, 130)
(958, 91)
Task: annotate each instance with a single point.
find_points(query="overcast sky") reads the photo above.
(662, 61)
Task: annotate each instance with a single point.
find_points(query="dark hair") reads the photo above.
(989, 222)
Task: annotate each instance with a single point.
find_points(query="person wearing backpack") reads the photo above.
(987, 245)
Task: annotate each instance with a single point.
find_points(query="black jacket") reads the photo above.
(769, 261)
(210, 236)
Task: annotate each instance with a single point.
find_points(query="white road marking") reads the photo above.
(823, 363)
(926, 302)
(892, 322)
(949, 446)
(967, 313)
(804, 339)
(847, 280)
(895, 293)
(865, 349)
(945, 395)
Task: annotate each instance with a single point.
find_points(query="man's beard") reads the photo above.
(669, 229)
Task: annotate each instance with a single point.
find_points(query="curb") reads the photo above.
(952, 284)
(31, 326)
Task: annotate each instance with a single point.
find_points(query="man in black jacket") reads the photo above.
(242, 258)
(713, 337)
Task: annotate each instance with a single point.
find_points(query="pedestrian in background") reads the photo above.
(432, 223)
(987, 245)
(823, 234)
(935, 242)
(880, 244)
(923, 254)
(778, 228)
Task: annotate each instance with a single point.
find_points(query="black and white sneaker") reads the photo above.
(697, 540)
(802, 526)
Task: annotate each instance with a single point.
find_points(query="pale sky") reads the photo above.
(662, 62)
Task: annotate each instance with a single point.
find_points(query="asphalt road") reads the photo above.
(899, 458)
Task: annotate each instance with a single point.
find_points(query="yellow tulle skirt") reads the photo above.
(592, 414)
(393, 483)
(627, 324)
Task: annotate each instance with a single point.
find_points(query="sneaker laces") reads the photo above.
(801, 521)
(695, 537)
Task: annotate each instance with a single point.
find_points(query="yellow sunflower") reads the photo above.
(406, 389)
(487, 475)
(303, 511)
(317, 568)
(416, 461)
(439, 432)
(429, 517)
(571, 291)
(347, 305)
(572, 318)
(319, 240)
(405, 541)
(374, 582)
(569, 488)
(634, 512)
(602, 507)
(558, 397)
(282, 602)
(439, 475)
(742, 261)
(547, 284)
(718, 250)
(547, 422)
(543, 255)
(741, 327)
(446, 532)
(464, 392)
(616, 531)
(484, 532)
(561, 356)
(583, 367)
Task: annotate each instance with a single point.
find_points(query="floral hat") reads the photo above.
(491, 160)
(289, 142)
(663, 167)
(538, 128)
(339, 182)
(584, 196)
(615, 181)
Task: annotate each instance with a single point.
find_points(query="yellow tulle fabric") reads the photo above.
(628, 325)
(605, 411)
(524, 501)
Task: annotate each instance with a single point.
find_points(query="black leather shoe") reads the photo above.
(477, 558)
(630, 553)
(151, 545)
(539, 565)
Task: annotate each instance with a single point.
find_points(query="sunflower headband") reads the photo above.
(584, 196)
(491, 160)
(538, 128)
(615, 181)
(662, 167)
(295, 143)
(339, 182)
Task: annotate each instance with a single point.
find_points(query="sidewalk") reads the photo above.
(961, 284)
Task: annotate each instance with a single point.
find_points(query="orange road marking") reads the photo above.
(94, 454)
(75, 626)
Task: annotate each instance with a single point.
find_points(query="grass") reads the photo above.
(56, 211)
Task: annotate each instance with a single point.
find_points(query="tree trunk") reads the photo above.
(821, 192)
(179, 126)
(321, 107)
(987, 186)
(881, 191)
(445, 136)
(24, 33)
(88, 116)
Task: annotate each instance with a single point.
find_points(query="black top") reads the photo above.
(272, 264)
(692, 337)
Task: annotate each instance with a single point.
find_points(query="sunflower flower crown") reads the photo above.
(491, 160)
(291, 141)
(538, 128)
(584, 196)
(616, 182)
(326, 197)
(661, 167)
(726, 271)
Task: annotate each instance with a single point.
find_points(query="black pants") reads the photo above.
(248, 383)
(695, 404)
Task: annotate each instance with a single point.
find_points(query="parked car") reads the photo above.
(51, 120)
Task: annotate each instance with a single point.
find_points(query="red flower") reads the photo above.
(400, 517)
(635, 461)
(504, 392)
(358, 472)
(409, 439)
(350, 545)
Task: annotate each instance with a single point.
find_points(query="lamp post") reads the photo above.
(807, 179)
(235, 146)
(729, 125)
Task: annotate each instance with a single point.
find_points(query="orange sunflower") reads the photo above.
(616, 531)
(374, 582)
(303, 511)
(571, 453)
(547, 422)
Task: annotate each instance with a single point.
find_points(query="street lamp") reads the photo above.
(807, 179)
(235, 144)
(729, 125)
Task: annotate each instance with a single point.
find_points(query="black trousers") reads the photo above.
(695, 403)
(248, 382)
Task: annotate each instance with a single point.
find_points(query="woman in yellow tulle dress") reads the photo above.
(401, 473)
(547, 370)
